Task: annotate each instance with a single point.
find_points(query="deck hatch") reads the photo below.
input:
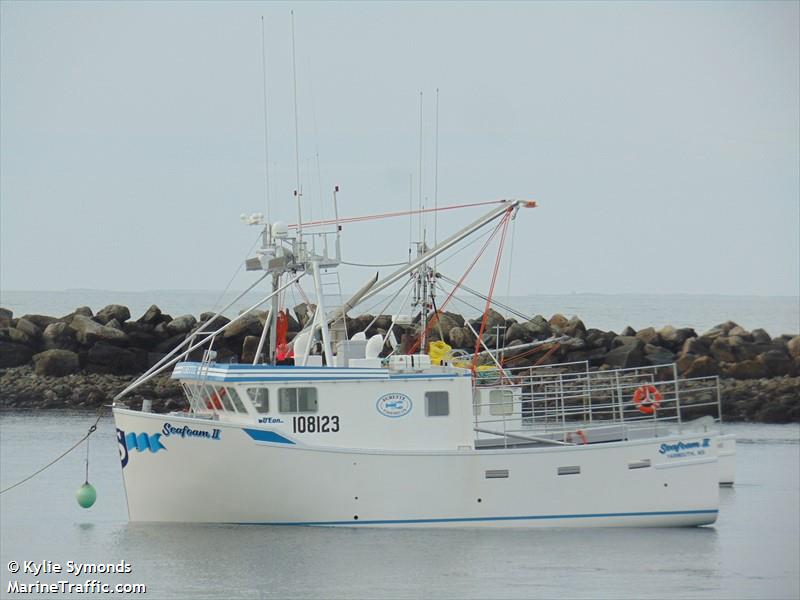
(497, 474)
(571, 470)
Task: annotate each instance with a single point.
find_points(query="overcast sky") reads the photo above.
(661, 140)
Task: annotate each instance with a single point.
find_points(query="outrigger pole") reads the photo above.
(505, 207)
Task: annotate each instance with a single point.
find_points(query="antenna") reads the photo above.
(297, 191)
(266, 136)
(436, 180)
(338, 227)
(420, 166)
(410, 213)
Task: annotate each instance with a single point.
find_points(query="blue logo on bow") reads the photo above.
(144, 442)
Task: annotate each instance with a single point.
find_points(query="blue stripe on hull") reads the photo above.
(260, 435)
(484, 519)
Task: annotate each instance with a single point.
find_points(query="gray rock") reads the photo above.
(648, 335)
(249, 324)
(456, 337)
(114, 324)
(719, 330)
(29, 328)
(673, 338)
(113, 311)
(746, 369)
(151, 316)
(83, 311)
(575, 328)
(595, 338)
(697, 346)
(171, 343)
(721, 350)
(594, 356)
(382, 322)
(684, 362)
(5, 317)
(744, 349)
(760, 336)
(628, 354)
(793, 347)
(446, 321)
(249, 347)
(493, 320)
(558, 322)
(182, 324)
(624, 340)
(88, 332)
(106, 358)
(305, 312)
(538, 327)
(628, 332)
(740, 332)
(656, 355)
(776, 363)
(59, 335)
(703, 366)
(518, 332)
(56, 363)
(20, 337)
(14, 355)
(41, 321)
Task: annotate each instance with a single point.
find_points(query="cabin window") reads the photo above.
(237, 401)
(437, 404)
(211, 398)
(297, 400)
(260, 398)
(501, 402)
(222, 393)
(191, 394)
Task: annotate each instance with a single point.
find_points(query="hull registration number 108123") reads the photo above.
(315, 424)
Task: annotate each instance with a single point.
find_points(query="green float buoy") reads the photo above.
(86, 495)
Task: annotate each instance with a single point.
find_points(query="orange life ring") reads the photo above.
(647, 399)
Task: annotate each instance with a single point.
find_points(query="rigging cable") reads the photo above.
(85, 438)
(390, 215)
(435, 317)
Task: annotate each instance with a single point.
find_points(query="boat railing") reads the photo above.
(564, 404)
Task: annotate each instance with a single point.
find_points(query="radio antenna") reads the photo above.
(266, 129)
(436, 180)
(420, 167)
(297, 191)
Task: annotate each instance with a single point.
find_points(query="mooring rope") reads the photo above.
(85, 438)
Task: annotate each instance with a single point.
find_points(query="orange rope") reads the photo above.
(504, 223)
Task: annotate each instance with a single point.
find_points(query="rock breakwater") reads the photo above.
(83, 359)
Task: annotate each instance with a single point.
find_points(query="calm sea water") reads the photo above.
(776, 314)
(752, 552)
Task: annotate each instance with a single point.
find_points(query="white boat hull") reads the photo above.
(233, 476)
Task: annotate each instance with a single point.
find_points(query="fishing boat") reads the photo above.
(332, 429)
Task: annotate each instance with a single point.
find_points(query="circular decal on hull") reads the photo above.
(394, 405)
